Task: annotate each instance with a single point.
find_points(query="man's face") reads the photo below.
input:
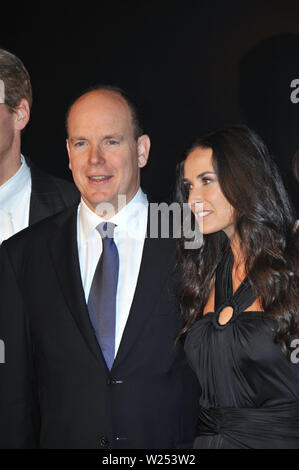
(11, 124)
(104, 157)
(7, 131)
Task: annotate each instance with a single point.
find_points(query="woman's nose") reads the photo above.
(195, 196)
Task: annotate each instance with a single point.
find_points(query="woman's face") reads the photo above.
(213, 212)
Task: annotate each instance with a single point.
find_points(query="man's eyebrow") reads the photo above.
(72, 139)
(114, 136)
(108, 136)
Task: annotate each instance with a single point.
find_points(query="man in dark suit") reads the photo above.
(87, 366)
(27, 194)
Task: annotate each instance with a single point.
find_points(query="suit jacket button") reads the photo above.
(114, 382)
(104, 441)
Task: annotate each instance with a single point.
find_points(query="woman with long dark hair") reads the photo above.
(240, 293)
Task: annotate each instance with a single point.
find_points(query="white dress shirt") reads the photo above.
(129, 235)
(15, 202)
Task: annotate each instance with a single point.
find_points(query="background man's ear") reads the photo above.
(143, 148)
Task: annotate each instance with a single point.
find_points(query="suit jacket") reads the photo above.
(49, 195)
(55, 389)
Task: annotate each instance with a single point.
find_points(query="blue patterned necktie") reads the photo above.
(102, 296)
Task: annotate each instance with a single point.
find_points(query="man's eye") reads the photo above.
(79, 143)
(112, 142)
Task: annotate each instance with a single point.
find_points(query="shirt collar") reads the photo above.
(124, 219)
(12, 190)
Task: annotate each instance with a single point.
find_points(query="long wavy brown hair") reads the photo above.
(264, 221)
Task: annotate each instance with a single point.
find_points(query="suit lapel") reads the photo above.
(157, 262)
(64, 254)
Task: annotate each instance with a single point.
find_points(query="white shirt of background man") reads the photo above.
(15, 202)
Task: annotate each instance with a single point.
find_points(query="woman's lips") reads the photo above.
(203, 214)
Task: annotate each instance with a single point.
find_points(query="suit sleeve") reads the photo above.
(16, 371)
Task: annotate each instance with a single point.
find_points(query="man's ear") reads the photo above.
(22, 114)
(68, 152)
(143, 148)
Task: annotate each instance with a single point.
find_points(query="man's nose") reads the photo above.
(97, 156)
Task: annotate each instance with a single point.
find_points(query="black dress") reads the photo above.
(250, 391)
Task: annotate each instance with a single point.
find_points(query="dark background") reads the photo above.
(190, 65)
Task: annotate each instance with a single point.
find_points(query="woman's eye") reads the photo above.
(206, 181)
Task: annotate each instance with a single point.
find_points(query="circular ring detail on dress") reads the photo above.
(229, 303)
